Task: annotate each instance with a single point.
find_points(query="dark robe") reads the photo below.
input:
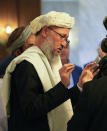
(29, 104)
(4, 63)
(90, 114)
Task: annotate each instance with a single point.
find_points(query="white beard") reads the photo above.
(54, 60)
(47, 48)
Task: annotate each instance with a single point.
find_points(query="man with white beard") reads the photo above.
(38, 99)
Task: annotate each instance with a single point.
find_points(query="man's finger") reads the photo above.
(96, 72)
(67, 65)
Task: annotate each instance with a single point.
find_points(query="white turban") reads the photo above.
(53, 18)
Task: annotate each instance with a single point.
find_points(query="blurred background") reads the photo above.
(86, 35)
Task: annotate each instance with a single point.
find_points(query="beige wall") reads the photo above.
(17, 13)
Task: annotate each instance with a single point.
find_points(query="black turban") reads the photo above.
(105, 22)
(104, 45)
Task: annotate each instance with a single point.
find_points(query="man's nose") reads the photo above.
(63, 44)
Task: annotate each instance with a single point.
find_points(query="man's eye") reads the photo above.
(64, 36)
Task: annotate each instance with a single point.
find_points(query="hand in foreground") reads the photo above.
(88, 73)
(65, 72)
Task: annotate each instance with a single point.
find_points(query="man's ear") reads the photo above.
(17, 52)
(44, 31)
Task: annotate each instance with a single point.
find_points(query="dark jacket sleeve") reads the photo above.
(32, 100)
(4, 63)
